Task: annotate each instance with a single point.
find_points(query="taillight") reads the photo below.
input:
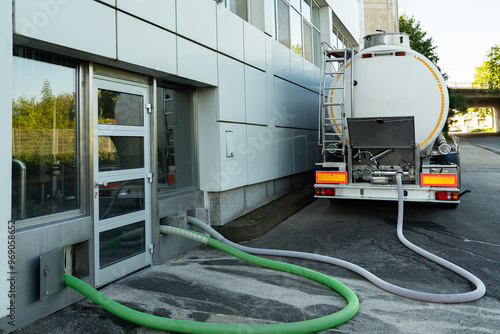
(401, 53)
(447, 195)
(325, 191)
(367, 55)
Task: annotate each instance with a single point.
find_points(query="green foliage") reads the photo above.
(33, 120)
(418, 40)
(482, 130)
(488, 74)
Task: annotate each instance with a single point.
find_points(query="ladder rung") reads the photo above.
(332, 60)
(333, 119)
(332, 88)
(334, 73)
(333, 104)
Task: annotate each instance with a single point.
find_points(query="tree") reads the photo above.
(488, 74)
(418, 40)
(423, 45)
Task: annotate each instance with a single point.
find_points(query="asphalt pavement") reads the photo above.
(210, 286)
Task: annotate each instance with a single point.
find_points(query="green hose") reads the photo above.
(185, 326)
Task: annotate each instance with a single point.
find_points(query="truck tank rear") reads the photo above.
(393, 81)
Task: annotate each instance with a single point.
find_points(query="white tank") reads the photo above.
(393, 81)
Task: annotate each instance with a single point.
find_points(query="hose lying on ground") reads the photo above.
(185, 326)
(417, 295)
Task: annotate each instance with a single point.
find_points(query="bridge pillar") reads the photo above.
(496, 118)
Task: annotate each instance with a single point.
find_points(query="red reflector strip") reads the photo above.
(331, 177)
(367, 55)
(325, 191)
(401, 53)
(438, 180)
(447, 195)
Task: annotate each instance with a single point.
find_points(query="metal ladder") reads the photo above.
(332, 125)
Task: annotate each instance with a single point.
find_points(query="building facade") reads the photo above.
(381, 15)
(121, 115)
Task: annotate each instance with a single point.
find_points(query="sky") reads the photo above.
(463, 31)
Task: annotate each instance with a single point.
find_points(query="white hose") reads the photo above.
(417, 295)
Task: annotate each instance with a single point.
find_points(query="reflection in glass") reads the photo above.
(296, 31)
(317, 48)
(239, 7)
(120, 108)
(283, 23)
(116, 153)
(296, 4)
(44, 135)
(315, 15)
(121, 243)
(177, 167)
(306, 9)
(308, 47)
(119, 198)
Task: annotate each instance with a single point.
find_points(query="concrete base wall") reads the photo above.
(228, 205)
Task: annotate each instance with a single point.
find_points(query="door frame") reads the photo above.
(143, 259)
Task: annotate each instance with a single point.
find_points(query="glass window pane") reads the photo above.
(317, 48)
(308, 47)
(117, 153)
(121, 243)
(296, 31)
(119, 198)
(296, 4)
(177, 166)
(335, 40)
(239, 7)
(306, 9)
(44, 135)
(315, 15)
(283, 23)
(120, 108)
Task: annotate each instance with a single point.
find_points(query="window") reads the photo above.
(306, 9)
(296, 31)
(308, 42)
(283, 23)
(240, 8)
(298, 28)
(177, 166)
(45, 164)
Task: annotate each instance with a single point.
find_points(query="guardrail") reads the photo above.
(465, 85)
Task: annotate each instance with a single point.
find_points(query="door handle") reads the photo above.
(100, 183)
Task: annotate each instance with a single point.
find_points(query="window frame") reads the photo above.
(81, 129)
(304, 20)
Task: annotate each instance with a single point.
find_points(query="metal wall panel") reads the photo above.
(146, 45)
(283, 103)
(196, 20)
(254, 46)
(233, 170)
(281, 60)
(84, 25)
(34, 242)
(298, 107)
(196, 62)
(231, 90)
(297, 69)
(258, 144)
(159, 12)
(284, 145)
(229, 33)
(255, 96)
(299, 151)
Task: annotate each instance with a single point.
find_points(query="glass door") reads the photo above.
(122, 188)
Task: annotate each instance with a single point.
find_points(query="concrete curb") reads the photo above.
(260, 221)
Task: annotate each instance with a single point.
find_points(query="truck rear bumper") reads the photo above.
(412, 193)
